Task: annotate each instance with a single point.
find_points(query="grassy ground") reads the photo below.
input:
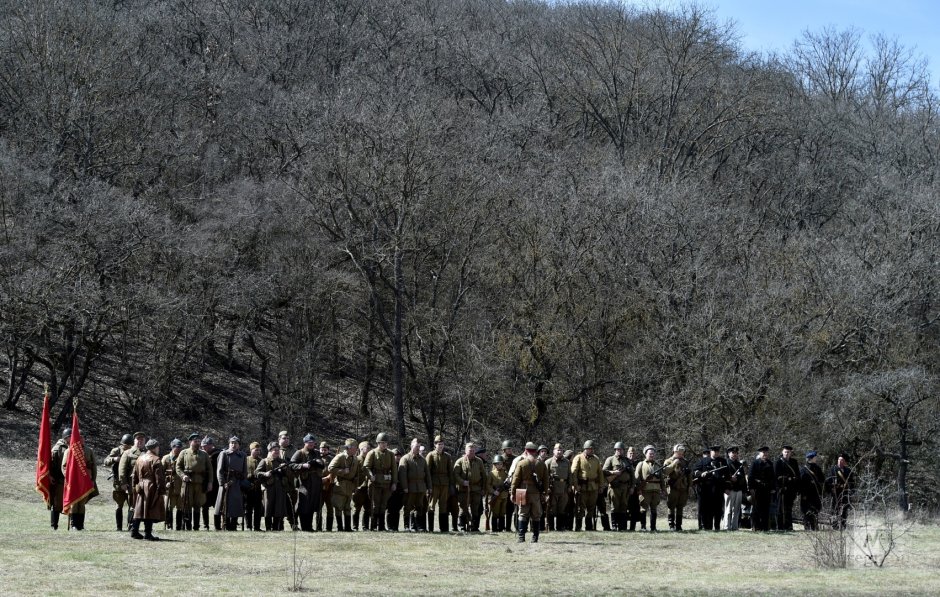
(36, 560)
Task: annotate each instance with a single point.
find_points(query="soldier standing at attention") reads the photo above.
(173, 485)
(710, 474)
(272, 472)
(212, 490)
(396, 501)
(361, 497)
(415, 479)
(509, 458)
(763, 484)
(679, 479)
(498, 494)
(787, 470)
(118, 494)
(812, 483)
(587, 478)
(307, 469)
(619, 475)
(287, 450)
(633, 503)
(345, 471)
(470, 475)
(253, 504)
(842, 483)
(126, 465)
(231, 471)
(380, 467)
(192, 467)
(735, 486)
(559, 473)
(529, 484)
(327, 495)
(651, 484)
(441, 466)
(149, 481)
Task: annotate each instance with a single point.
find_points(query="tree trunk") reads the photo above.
(397, 375)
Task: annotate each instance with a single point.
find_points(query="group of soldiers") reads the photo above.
(368, 488)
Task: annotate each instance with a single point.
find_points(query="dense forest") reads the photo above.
(492, 218)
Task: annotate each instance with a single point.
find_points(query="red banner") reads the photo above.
(44, 455)
(78, 482)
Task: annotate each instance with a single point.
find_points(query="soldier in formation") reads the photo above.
(619, 474)
(307, 466)
(587, 479)
(441, 468)
(414, 477)
(710, 474)
(679, 480)
(149, 483)
(736, 487)
(196, 476)
(173, 486)
(651, 484)
(345, 470)
(812, 485)
(118, 493)
(559, 475)
(529, 484)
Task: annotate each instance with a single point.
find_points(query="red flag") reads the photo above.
(44, 456)
(78, 482)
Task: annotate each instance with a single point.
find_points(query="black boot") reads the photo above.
(536, 528)
(652, 521)
(678, 519)
(442, 522)
(672, 519)
(78, 522)
(550, 520)
(577, 523)
(216, 522)
(54, 520)
(605, 522)
(196, 518)
(148, 531)
(168, 521)
(329, 521)
(135, 530)
(523, 526)
(119, 518)
(179, 520)
(347, 523)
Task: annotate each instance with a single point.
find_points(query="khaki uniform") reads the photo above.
(678, 475)
(650, 488)
(345, 470)
(414, 477)
(57, 474)
(382, 474)
(587, 479)
(441, 467)
(254, 504)
(360, 498)
(309, 485)
(498, 494)
(174, 484)
(148, 480)
(195, 465)
(531, 476)
(470, 476)
(559, 475)
(113, 461)
(275, 483)
(619, 488)
(126, 469)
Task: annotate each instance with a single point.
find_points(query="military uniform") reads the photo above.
(126, 470)
(619, 477)
(735, 487)
(679, 480)
(309, 484)
(254, 506)
(559, 474)
(633, 502)
(441, 468)
(498, 495)
(841, 487)
(230, 501)
(118, 494)
(415, 479)
(380, 465)
(345, 470)
(763, 485)
(212, 492)
(57, 479)
(327, 491)
(812, 486)
(471, 483)
(275, 483)
(194, 464)
(149, 482)
(710, 475)
(77, 509)
(360, 498)
(174, 501)
(587, 478)
(788, 477)
(651, 484)
(531, 477)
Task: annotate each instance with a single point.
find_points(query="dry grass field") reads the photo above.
(34, 560)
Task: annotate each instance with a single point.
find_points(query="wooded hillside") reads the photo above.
(484, 217)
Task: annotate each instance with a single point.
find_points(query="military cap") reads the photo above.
(557, 447)
(208, 441)
(589, 444)
(127, 439)
(648, 448)
(324, 445)
(438, 439)
(844, 455)
(714, 448)
(139, 434)
(786, 447)
(283, 433)
(309, 438)
(568, 453)
(67, 432)
(811, 454)
(531, 446)
(618, 446)
(193, 436)
(253, 445)
(350, 442)
(763, 449)
(679, 448)
(497, 459)
(543, 448)
(382, 437)
(235, 439)
(733, 449)
(507, 444)
(176, 443)
(273, 446)
(480, 451)
(151, 444)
